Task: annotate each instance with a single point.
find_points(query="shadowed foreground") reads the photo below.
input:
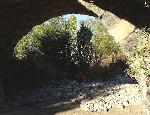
(53, 110)
(72, 104)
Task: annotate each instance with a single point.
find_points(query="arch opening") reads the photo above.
(70, 46)
(125, 16)
(64, 49)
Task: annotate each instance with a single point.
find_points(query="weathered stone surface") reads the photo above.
(121, 30)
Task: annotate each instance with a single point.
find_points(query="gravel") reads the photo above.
(97, 96)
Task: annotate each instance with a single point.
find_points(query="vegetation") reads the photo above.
(63, 50)
(84, 36)
(139, 59)
(139, 62)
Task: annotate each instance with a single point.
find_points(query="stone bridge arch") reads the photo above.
(17, 17)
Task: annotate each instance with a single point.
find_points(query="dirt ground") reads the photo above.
(125, 111)
(65, 108)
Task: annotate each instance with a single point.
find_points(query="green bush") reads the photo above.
(61, 50)
(104, 45)
(30, 44)
(139, 59)
(84, 47)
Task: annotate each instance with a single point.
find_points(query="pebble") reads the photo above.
(119, 92)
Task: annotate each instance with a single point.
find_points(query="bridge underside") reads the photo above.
(17, 17)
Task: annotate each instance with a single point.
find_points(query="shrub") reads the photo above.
(30, 44)
(61, 51)
(84, 36)
(104, 44)
(139, 59)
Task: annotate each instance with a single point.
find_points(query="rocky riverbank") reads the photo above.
(120, 97)
(97, 96)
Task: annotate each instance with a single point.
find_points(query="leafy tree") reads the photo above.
(31, 43)
(63, 49)
(96, 26)
(102, 42)
(72, 27)
(84, 36)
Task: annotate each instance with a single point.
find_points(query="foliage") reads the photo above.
(139, 62)
(61, 50)
(96, 26)
(72, 26)
(30, 44)
(139, 59)
(104, 44)
(84, 36)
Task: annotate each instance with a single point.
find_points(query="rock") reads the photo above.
(92, 96)
(126, 103)
(120, 97)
